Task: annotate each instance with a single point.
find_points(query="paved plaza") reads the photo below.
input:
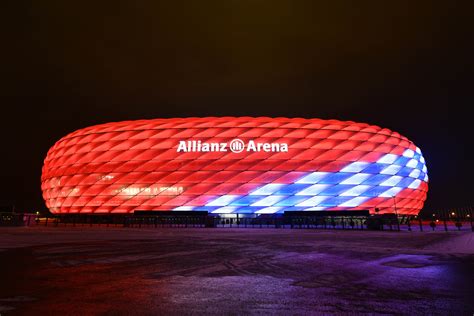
(131, 271)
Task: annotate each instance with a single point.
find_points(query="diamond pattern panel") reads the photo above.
(329, 165)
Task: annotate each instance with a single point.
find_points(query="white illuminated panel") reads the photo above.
(269, 200)
(415, 173)
(317, 208)
(184, 208)
(357, 166)
(223, 200)
(269, 210)
(225, 209)
(391, 170)
(356, 191)
(268, 189)
(313, 190)
(391, 182)
(354, 202)
(408, 153)
(412, 163)
(314, 177)
(357, 178)
(388, 159)
(415, 184)
(391, 192)
(314, 201)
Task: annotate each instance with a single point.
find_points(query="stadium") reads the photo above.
(234, 165)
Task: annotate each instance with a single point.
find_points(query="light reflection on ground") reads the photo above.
(234, 271)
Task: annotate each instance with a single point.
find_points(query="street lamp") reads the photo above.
(396, 213)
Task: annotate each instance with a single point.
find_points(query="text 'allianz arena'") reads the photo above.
(234, 165)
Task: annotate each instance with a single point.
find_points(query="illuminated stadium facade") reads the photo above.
(234, 165)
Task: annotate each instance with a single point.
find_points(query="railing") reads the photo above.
(292, 222)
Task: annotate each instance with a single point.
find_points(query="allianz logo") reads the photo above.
(235, 146)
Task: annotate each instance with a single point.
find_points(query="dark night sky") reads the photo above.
(407, 66)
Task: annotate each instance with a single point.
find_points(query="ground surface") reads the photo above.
(120, 271)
